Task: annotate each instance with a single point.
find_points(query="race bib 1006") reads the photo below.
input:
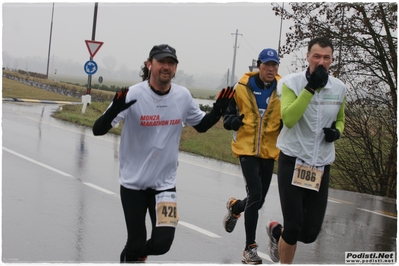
(307, 176)
(166, 205)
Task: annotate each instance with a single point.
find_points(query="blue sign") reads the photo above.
(90, 67)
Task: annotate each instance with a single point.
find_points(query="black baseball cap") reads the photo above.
(161, 51)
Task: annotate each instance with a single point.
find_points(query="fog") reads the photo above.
(204, 35)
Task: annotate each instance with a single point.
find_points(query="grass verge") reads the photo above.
(15, 89)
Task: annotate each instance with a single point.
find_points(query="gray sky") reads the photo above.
(202, 33)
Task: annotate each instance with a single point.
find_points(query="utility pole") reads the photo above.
(340, 43)
(86, 99)
(49, 44)
(228, 76)
(234, 58)
(281, 25)
(93, 38)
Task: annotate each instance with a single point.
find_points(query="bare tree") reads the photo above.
(364, 37)
(183, 78)
(225, 80)
(110, 62)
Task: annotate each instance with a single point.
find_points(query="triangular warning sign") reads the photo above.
(93, 47)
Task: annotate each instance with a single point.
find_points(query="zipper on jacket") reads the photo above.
(259, 135)
(318, 119)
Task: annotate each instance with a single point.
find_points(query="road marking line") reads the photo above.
(58, 171)
(378, 213)
(265, 256)
(388, 213)
(218, 170)
(199, 229)
(188, 225)
(211, 167)
(99, 188)
(338, 200)
(38, 163)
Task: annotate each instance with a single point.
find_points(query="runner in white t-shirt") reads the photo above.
(154, 112)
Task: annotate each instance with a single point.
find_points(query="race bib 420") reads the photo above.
(166, 206)
(307, 176)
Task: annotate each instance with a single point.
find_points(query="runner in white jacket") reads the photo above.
(312, 110)
(154, 113)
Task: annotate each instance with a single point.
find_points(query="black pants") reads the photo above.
(258, 174)
(303, 209)
(135, 205)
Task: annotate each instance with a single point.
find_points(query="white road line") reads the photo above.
(199, 229)
(58, 171)
(188, 225)
(210, 168)
(264, 256)
(38, 163)
(233, 173)
(339, 201)
(99, 188)
(330, 200)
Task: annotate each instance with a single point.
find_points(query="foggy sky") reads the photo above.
(202, 33)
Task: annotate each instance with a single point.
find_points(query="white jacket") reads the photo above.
(305, 139)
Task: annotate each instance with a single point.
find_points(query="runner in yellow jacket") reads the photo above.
(254, 116)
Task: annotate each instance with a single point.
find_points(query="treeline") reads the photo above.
(105, 88)
(28, 73)
(75, 90)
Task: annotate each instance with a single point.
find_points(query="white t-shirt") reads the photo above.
(151, 135)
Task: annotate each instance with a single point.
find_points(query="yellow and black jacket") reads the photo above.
(258, 136)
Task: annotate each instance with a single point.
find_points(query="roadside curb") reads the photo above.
(38, 101)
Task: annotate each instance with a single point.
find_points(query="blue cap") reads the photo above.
(269, 54)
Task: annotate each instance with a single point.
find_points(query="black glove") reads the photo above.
(223, 100)
(332, 134)
(103, 124)
(318, 79)
(236, 122)
(119, 102)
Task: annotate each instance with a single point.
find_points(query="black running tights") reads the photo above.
(303, 209)
(135, 204)
(258, 174)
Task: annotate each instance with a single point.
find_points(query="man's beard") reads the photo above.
(164, 80)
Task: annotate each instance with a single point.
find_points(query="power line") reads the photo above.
(250, 45)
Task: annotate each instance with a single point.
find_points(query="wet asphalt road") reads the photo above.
(60, 202)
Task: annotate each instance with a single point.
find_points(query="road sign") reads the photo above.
(90, 67)
(93, 47)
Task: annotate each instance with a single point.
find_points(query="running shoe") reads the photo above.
(230, 219)
(273, 241)
(250, 256)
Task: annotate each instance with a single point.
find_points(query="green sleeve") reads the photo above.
(293, 107)
(341, 117)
